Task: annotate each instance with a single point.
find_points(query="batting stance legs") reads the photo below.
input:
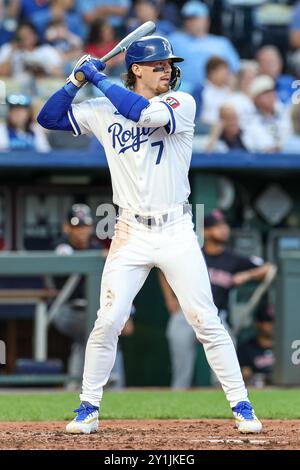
(173, 248)
(188, 277)
(125, 271)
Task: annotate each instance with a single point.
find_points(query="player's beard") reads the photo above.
(162, 89)
(163, 86)
(221, 242)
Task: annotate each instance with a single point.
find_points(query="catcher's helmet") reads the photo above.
(150, 49)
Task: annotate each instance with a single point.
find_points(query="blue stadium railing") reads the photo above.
(96, 159)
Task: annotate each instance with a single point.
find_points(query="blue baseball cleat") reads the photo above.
(86, 420)
(245, 419)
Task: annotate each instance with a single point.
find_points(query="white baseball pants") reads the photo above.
(173, 248)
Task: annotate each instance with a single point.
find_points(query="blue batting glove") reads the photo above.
(91, 73)
(98, 64)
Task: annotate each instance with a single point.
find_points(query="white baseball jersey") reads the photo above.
(148, 165)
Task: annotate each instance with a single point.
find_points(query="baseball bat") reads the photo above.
(144, 30)
(244, 317)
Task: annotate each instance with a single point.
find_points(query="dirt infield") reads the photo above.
(151, 435)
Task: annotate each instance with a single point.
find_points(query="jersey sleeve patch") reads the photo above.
(173, 102)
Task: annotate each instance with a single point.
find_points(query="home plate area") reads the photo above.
(151, 435)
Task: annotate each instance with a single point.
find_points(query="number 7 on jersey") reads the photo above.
(160, 146)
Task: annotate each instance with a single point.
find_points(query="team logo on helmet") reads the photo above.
(167, 47)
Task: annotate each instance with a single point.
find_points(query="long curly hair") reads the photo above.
(129, 79)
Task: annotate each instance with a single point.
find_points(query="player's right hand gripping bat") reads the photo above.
(144, 30)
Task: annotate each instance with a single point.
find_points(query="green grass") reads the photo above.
(145, 404)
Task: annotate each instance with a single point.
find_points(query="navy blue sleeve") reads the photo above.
(242, 263)
(54, 114)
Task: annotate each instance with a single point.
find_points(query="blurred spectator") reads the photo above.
(102, 38)
(24, 9)
(21, 131)
(68, 45)
(169, 11)
(256, 355)
(270, 125)
(59, 10)
(24, 57)
(114, 11)
(226, 271)
(227, 134)
(270, 63)
(8, 23)
(292, 144)
(294, 37)
(196, 45)
(216, 90)
(241, 98)
(294, 27)
(149, 10)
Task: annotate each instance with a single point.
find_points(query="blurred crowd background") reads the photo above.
(242, 63)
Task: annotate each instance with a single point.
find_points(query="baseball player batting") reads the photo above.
(146, 130)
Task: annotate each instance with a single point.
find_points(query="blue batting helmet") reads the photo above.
(150, 49)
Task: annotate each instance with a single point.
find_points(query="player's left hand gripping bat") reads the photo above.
(144, 30)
